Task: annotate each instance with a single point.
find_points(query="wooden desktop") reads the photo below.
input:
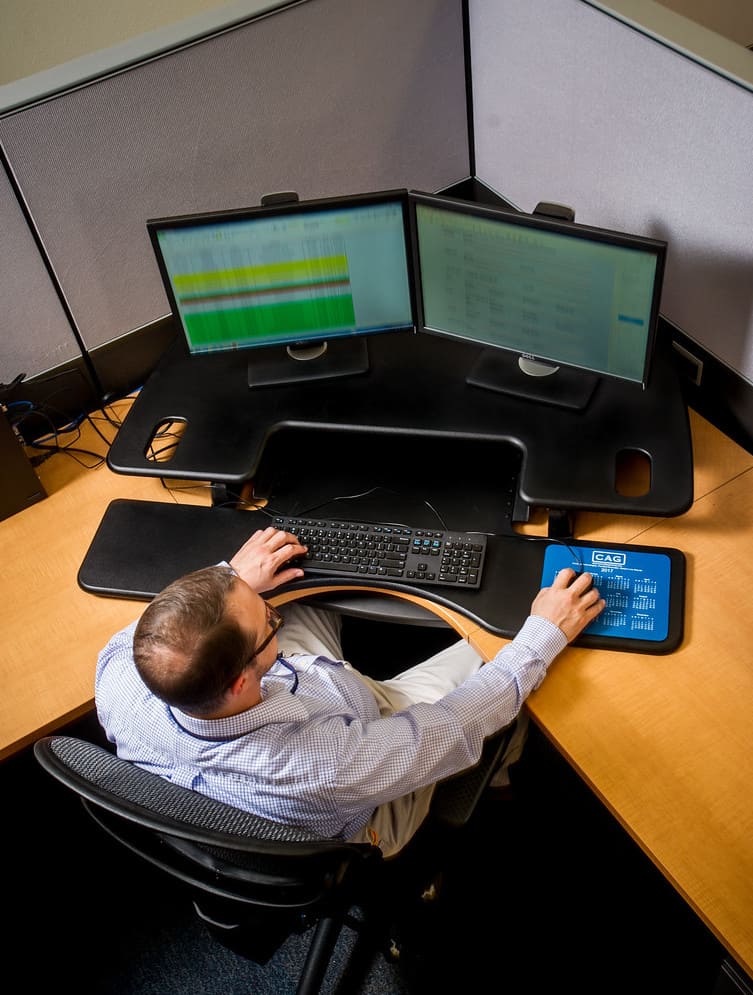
(663, 741)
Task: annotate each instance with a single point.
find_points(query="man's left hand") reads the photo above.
(261, 560)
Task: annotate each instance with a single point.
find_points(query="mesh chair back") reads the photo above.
(206, 843)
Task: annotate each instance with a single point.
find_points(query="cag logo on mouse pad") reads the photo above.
(608, 558)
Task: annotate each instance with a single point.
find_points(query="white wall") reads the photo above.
(41, 34)
(46, 46)
(731, 18)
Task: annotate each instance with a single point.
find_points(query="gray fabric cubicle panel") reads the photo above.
(329, 97)
(571, 105)
(34, 332)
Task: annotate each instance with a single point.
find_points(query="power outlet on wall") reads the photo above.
(690, 366)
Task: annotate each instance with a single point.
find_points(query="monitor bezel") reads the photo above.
(655, 247)
(280, 208)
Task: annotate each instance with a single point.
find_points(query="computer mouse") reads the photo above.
(579, 573)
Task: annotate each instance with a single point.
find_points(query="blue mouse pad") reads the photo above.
(635, 586)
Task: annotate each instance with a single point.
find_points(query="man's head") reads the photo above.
(198, 636)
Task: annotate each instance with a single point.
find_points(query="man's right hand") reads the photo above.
(570, 603)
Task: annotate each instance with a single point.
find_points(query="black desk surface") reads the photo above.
(415, 387)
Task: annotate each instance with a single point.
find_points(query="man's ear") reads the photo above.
(239, 684)
(249, 676)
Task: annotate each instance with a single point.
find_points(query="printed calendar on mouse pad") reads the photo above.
(636, 584)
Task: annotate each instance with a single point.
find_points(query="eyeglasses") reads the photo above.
(275, 621)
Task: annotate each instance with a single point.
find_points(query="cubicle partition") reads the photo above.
(324, 97)
(573, 105)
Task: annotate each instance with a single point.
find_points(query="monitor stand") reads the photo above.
(344, 357)
(532, 380)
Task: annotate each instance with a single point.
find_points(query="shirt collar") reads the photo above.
(278, 705)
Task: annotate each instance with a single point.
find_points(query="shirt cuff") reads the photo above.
(545, 638)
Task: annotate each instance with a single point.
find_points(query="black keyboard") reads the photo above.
(423, 556)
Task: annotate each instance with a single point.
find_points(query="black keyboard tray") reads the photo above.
(141, 546)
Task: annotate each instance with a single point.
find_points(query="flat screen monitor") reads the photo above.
(557, 305)
(300, 283)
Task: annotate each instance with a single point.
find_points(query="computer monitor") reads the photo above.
(557, 305)
(301, 283)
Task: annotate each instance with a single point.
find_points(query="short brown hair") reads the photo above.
(187, 649)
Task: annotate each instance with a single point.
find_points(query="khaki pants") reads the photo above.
(313, 630)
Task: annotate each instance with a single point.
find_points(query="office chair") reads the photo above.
(254, 882)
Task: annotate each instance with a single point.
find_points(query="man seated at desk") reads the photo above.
(210, 691)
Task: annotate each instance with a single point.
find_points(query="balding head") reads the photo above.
(188, 648)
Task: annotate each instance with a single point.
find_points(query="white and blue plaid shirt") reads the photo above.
(321, 758)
